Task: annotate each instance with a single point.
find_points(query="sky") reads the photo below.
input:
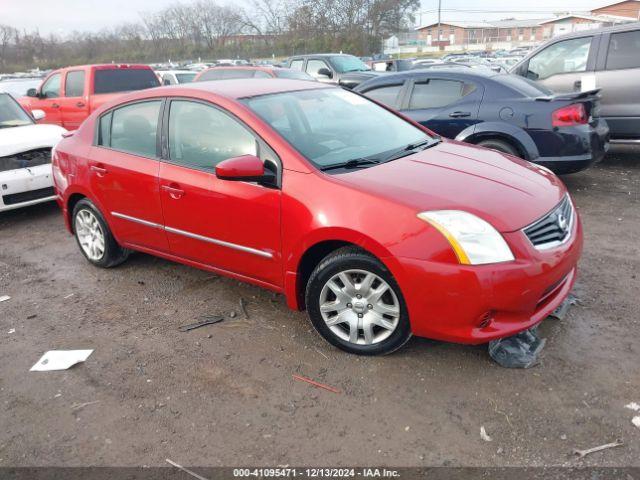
(64, 16)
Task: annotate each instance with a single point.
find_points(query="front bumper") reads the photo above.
(26, 186)
(477, 304)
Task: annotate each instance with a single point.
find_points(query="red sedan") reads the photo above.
(376, 226)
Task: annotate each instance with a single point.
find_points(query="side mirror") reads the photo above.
(325, 72)
(38, 114)
(247, 168)
(32, 92)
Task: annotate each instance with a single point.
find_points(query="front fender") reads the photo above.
(331, 234)
(509, 132)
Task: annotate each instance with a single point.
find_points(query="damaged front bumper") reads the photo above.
(22, 187)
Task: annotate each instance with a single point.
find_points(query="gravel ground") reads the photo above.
(224, 394)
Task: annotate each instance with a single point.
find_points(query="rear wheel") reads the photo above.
(94, 238)
(500, 146)
(356, 305)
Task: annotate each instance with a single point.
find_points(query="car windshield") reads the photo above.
(349, 63)
(11, 113)
(185, 77)
(331, 126)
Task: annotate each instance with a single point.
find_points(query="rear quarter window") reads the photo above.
(124, 80)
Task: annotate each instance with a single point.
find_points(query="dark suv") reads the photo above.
(606, 59)
(344, 70)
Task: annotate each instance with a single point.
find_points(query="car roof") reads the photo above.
(449, 73)
(323, 55)
(262, 68)
(175, 71)
(596, 31)
(249, 87)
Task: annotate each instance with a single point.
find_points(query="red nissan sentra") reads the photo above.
(375, 225)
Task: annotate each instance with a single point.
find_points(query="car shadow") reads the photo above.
(29, 214)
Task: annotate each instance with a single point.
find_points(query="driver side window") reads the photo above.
(567, 56)
(313, 66)
(201, 136)
(51, 88)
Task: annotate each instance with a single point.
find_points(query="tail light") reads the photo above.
(570, 115)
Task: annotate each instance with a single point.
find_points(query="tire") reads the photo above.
(88, 227)
(377, 323)
(500, 146)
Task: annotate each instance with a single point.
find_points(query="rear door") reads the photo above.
(617, 74)
(123, 173)
(445, 105)
(230, 225)
(563, 66)
(74, 104)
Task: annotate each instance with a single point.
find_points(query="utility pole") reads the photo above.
(439, 19)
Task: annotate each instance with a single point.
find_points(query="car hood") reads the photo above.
(29, 137)
(507, 192)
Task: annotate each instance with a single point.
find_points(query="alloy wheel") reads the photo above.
(359, 307)
(90, 234)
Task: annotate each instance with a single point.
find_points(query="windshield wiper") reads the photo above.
(350, 164)
(411, 148)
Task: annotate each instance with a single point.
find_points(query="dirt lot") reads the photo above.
(224, 394)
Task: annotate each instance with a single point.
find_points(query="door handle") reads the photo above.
(80, 104)
(460, 114)
(55, 105)
(173, 191)
(99, 170)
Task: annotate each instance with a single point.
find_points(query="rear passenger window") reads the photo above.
(134, 127)
(624, 50)
(74, 86)
(201, 136)
(386, 95)
(438, 93)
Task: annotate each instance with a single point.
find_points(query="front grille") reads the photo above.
(554, 228)
(22, 197)
(30, 158)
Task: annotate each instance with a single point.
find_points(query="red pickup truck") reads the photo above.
(69, 95)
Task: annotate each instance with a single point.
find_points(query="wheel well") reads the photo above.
(503, 137)
(73, 199)
(310, 260)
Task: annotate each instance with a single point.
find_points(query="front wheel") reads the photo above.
(355, 304)
(94, 238)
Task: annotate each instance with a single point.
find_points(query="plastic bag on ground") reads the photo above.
(518, 351)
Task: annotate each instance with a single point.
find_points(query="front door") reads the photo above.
(123, 174)
(74, 104)
(563, 66)
(234, 226)
(443, 105)
(49, 99)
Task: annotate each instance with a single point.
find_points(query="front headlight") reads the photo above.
(474, 241)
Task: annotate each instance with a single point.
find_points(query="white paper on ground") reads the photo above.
(60, 360)
(4, 298)
(588, 82)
